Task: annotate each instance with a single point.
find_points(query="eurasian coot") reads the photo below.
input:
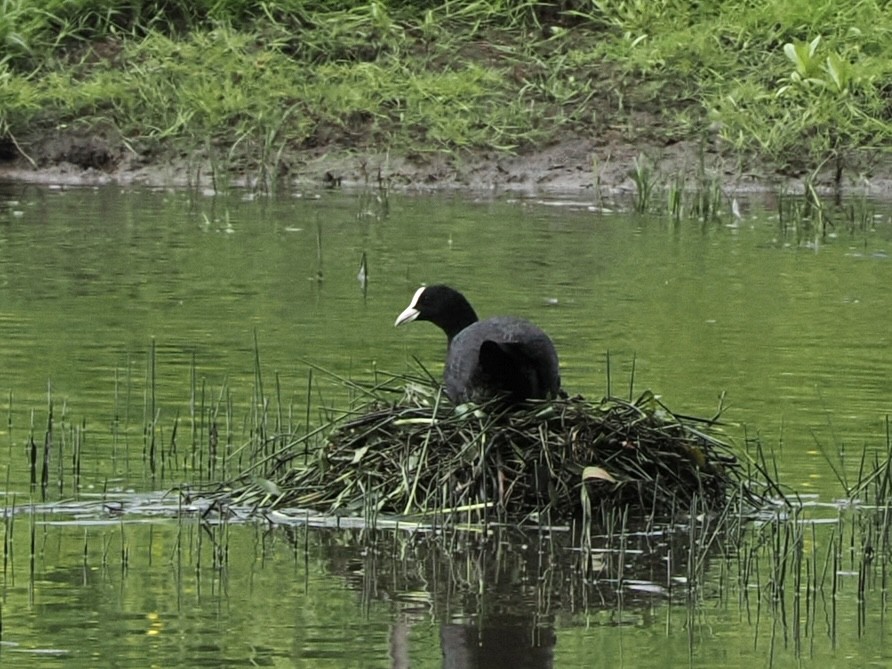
(498, 356)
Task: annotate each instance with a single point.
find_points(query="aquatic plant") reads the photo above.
(681, 195)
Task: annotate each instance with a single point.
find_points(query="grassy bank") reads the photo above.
(249, 86)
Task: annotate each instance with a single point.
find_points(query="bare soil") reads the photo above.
(576, 166)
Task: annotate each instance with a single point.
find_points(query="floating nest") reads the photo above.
(564, 457)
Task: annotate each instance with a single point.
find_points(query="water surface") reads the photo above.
(793, 333)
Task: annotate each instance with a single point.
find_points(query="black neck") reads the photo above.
(461, 317)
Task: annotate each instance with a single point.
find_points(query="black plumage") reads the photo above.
(503, 355)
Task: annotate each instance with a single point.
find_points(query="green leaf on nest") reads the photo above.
(598, 473)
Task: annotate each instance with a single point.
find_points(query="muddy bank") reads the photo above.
(576, 167)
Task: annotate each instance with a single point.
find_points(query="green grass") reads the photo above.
(801, 84)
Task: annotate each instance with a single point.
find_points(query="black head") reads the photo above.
(443, 306)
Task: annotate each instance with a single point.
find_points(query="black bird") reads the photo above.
(503, 355)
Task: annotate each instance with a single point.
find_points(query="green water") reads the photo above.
(794, 333)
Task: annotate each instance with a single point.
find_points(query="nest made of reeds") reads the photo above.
(421, 455)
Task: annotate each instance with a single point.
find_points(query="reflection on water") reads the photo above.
(111, 590)
(502, 642)
(796, 334)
